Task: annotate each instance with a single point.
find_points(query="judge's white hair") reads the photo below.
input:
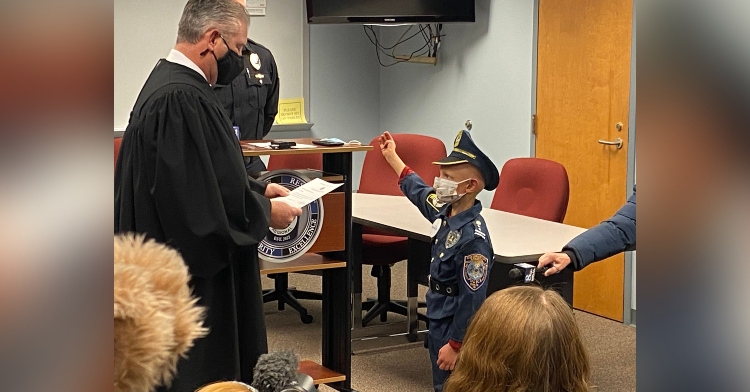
(200, 16)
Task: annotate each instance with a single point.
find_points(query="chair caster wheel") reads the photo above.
(306, 319)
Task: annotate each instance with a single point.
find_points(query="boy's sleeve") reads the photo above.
(472, 269)
(422, 195)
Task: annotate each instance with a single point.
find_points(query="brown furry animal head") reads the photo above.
(156, 318)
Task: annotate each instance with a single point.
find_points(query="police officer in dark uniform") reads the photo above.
(461, 248)
(252, 99)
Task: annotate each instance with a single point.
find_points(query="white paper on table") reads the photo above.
(301, 145)
(308, 192)
(261, 145)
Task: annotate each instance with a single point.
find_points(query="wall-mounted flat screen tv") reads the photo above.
(389, 11)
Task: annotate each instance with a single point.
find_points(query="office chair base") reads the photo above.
(383, 304)
(286, 295)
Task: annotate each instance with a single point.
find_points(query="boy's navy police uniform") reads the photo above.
(461, 253)
(252, 99)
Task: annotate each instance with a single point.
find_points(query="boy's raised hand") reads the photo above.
(388, 148)
(387, 144)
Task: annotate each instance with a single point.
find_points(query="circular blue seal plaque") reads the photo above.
(287, 244)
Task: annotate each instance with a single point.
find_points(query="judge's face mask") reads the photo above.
(446, 190)
(229, 66)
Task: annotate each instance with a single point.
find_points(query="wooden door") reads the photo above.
(583, 86)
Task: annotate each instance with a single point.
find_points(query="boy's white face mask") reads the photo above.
(446, 190)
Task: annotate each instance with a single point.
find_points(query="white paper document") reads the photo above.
(308, 193)
(268, 145)
(261, 145)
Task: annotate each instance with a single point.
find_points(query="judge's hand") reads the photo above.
(276, 190)
(447, 358)
(282, 214)
(558, 260)
(387, 144)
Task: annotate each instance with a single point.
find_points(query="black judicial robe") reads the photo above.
(180, 179)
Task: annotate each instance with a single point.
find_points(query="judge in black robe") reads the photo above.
(180, 178)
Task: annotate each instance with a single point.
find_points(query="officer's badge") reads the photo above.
(476, 268)
(432, 201)
(452, 238)
(255, 61)
(458, 139)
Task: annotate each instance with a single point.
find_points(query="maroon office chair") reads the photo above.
(118, 142)
(281, 291)
(533, 187)
(379, 248)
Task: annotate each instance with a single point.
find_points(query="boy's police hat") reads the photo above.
(465, 151)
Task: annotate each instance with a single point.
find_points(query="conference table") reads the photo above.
(515, 239)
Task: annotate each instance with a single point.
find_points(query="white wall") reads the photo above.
(344, 86)
(146, 30)
(484, 73)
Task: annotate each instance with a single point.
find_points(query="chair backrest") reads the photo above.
(295, 161)
(533, 187)
(417, 151)
(118, 142)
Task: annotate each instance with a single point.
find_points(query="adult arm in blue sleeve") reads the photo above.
(614, 235)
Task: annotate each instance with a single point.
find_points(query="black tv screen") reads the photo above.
(389, 11)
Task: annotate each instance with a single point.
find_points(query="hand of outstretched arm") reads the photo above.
(388, 148)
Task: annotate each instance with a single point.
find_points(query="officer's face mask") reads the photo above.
(229, 66)
(447, 190)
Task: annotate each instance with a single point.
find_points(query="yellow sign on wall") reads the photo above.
(291, 111)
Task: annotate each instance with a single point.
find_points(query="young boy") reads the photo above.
(461, 249)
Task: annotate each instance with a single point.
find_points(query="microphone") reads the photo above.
(277, 372)
(526, 271)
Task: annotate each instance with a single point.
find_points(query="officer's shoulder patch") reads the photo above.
(476, 268)
(432, 201)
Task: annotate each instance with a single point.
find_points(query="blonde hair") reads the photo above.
(225, 386)
(156, 318)
(522, 339)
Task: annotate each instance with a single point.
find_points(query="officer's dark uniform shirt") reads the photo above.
(252, 100)
(461, 256)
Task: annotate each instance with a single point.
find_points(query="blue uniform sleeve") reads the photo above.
(422, 195)
(472, 269)
(614, 235)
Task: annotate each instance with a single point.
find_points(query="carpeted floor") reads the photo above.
(611, 344)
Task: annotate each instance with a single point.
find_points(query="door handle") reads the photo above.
(617, 142)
